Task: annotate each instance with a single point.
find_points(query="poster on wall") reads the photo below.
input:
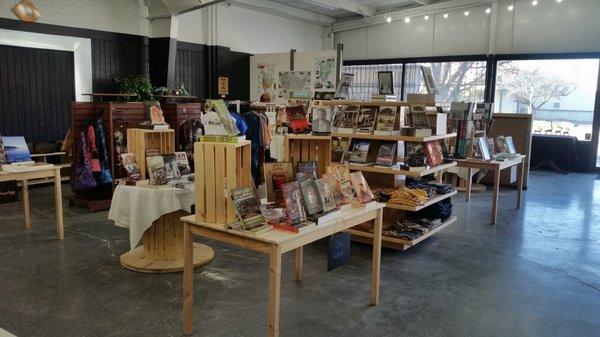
(292, 83)
(324, 73)
(267, 87)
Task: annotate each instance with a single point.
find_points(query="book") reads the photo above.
(325, 190)
(131, 167)
(365, 122)
(227, 121)
(501, 145)
(363, 192)
(151, 152)
(461, 111)
(171, 167)
(3, 158)
(273, 214)
(302, 227)
(433, 152)
(510, 145)
(183, 164)
(294, 204)
(247, 207)
(342, 174)
(338, 195)
(297, 119)
(418, 117)
(321, 120)
(386, 120)
(156, 170)
(484, 150)
(360, 151)
(276, 174)
(348, 121)
(338, 117)
(154, 112)
(310, 194)
(386, 154)
(309, 168)
(414, 154)
(16, 149)
(338, 148)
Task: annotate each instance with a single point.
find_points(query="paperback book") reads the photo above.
(276, 174)
(360, 151)
(386, 122)
(156, 170)
(326, 192)
(461, 111)
(131, 167)
(247, 206)
(414, 154)
(273, 214)
(154, 113)
(310, 194)
(228, 122)
(433, 152)
(16, 149)
(338, 195)
(365, 122)
(297, 119)
(308, 168)
(321, 120)
(338, 148)
(510, 145)
(501, 145)
(418, 117)
(342, 175)
(348, 119)
(171, 167)
(3, 159)
(386, 154)
(183, 164)
(484, 150)
(363, 192)
(294, 205)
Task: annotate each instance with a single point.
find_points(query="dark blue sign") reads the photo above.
(339, 250)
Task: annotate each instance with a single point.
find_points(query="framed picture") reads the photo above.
(386, 82)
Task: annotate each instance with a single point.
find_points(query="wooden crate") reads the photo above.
(308, 148)
(139, 140)
(219, 167)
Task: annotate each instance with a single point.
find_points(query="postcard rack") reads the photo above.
(219, 167)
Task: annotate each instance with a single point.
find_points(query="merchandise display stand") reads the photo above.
(496, 167)
(178, 113)
(33, 174)
(308, 148)
(139, 140)
(275, 243)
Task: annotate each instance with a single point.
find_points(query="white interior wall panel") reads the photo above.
(459, 34)
(400, 39)
(355, 43)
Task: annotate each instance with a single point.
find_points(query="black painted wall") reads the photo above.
(236, 66)
(115, 58)
(190, 68)
(36, 90)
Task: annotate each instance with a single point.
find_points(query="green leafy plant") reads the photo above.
(182, 91)
(137, 85)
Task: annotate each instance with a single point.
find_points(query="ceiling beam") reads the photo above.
(347, 5)
(279, 9)
(423, 2)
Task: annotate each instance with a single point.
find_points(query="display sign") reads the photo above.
(223, 86)
(339, 250)
(8, 192)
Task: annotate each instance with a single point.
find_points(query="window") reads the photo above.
(365, 79)
(559, 93)
(455, 81)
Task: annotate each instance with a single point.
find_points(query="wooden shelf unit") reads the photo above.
(393, 137)
(386, 170)
(431, 201)
(396, 243)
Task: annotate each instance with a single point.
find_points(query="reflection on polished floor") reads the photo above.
(535, 273)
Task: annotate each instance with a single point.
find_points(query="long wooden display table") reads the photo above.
(39, 173)
(275, 243)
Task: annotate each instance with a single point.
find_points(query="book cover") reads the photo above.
(227, 121)
(171, 167)
(297, 119)
(131, 167)
(338, 117)
(510, 145)
(273, 214)
(484, 150)
(363, 192)
(151, 152)
(310, 194)
(154, 112)
(326, 193)
(309, 168)
(342, 175)
(156, 170)
(321, 120)
(276, 174)
(247, 206)
(491, 145)
(433, 152)
(501, 145)
(461, 111)
(349, 117)
(414, 154)
(16, 149)
(338, 148)
(418, 117)
(360, 151)
(183, 164)
(294, 205)
(365, 122)
(3, 159)
(386, 154)
(386, 119)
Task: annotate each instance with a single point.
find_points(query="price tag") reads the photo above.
(339, 250)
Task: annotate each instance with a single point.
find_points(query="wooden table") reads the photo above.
(274, 243)
(496, 167)
(41, 173)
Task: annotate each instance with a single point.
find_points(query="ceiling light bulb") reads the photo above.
(426, 17)
(407, 20)
(467, 13)
(488, 10)
(534, 3)
(511, 7)
(558, 0)
(388, 19)
(445, 15)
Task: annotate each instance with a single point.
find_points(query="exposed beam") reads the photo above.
(347, 5)
(279, 9)
(423, 2)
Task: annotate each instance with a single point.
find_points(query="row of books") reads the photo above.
(302, 203)
(499, 148)
(162, 169)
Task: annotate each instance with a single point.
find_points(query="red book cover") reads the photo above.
(433, 151)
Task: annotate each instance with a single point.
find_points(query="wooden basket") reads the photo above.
(308, 148)
(219, 167)
(139, 140)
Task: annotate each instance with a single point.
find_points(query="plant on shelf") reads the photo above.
(170, 91)
(137, 85)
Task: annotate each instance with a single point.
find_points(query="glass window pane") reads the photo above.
(365, 79)
(455, 81)
(559, 93)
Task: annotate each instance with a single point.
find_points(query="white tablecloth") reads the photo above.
(136, 207)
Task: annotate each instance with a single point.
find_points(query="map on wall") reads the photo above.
(267, 87)
(325, 74)
(293, 82)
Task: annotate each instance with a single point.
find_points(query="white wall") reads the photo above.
(549, 27)
(122, 16)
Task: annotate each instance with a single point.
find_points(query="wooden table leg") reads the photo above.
(274, 292)
(26, 214)
(496, 194)
(299, 261)
(375, 273)
(521, 178)
(188, 280)
(58, 205)
(469, 183)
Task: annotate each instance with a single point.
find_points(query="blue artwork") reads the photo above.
(16, 149)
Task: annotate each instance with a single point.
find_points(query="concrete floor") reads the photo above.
(536, 273)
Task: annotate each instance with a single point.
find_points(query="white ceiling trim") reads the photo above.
(347, 5)
(279, 9)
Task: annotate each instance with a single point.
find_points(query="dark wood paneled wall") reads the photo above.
(190, 68)
(115, 58)
(36, 90)
(236, 66)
